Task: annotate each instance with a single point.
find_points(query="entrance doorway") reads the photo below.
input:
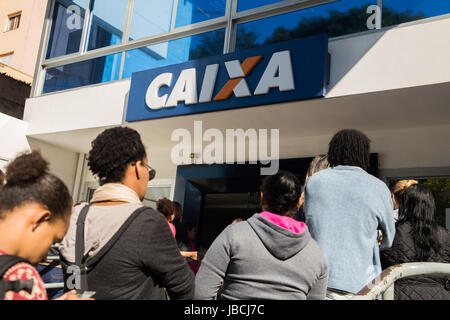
(214, 195)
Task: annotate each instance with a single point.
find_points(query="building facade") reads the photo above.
(22, 22)
(387, 74)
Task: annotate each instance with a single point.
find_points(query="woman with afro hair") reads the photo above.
(125, 250)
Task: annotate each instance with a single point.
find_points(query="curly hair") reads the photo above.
(281, 193)
(29, 181)
(112, 151)
(165, 206)
(349, 147)
(418, 208)
(178, 210)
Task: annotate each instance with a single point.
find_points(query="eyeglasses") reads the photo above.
(151, 171)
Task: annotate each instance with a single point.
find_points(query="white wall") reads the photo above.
(12, 138)
(63, 163)
(404, 56)
(398, 148)
(90, 107)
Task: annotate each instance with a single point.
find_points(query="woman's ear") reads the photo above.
(39, 217)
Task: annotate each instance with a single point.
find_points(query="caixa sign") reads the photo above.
(288, 71)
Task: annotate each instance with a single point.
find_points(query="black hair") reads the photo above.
(189, 226)
(112, 151)
(29, 181)
(418, 208)
(165, 206)
(178, 209)
(2, 178)
(349, 147)
(281, 193)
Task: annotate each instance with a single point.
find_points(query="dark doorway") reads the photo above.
(214, 195)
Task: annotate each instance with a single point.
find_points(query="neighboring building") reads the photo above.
(22, 22)
(19, 46)
(389, 76)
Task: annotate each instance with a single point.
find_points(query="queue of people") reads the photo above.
(117, 248)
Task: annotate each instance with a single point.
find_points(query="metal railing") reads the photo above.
(384, 284)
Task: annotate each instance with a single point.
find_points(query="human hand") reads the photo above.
(72, 295)
(380, 238)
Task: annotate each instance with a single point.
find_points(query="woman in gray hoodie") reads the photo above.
(270, 256)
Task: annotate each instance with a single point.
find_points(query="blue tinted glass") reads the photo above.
(193, 11)
(175, 51)
(250, 4)
(335, 19)
(98, 70)
(401, 11)
(67, 27)
(107, 23)
(150, 17)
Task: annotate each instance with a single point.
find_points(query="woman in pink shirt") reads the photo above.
(166, 207)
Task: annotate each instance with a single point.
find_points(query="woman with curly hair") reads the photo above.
(270, 256)
(167, 208)
(124, 249)
(418, 238)
(35, 208)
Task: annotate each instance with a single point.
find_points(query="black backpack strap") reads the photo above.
(6, 263)
(80, 259)
(79, 249)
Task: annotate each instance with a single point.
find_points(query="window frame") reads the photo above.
(229, 21)
(13, 22)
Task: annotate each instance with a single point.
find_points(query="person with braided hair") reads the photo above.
(345, 209)
(270, 256)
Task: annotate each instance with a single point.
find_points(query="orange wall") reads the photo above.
(25, 40)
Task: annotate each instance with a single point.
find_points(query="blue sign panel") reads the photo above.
(288, 71)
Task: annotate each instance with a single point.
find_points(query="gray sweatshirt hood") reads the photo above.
(280, 242)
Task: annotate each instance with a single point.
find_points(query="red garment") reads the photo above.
(173, 229)
(24, 271)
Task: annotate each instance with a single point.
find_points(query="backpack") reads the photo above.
(80, 259)
(6, 262)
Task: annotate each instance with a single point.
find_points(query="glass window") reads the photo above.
(106, 23)
(250, 4)
(335, 19)
(150, 17)
(175, 51)
(13, 22)
(401, 11)
(193, 11)
(67, 27)
(98, 70)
